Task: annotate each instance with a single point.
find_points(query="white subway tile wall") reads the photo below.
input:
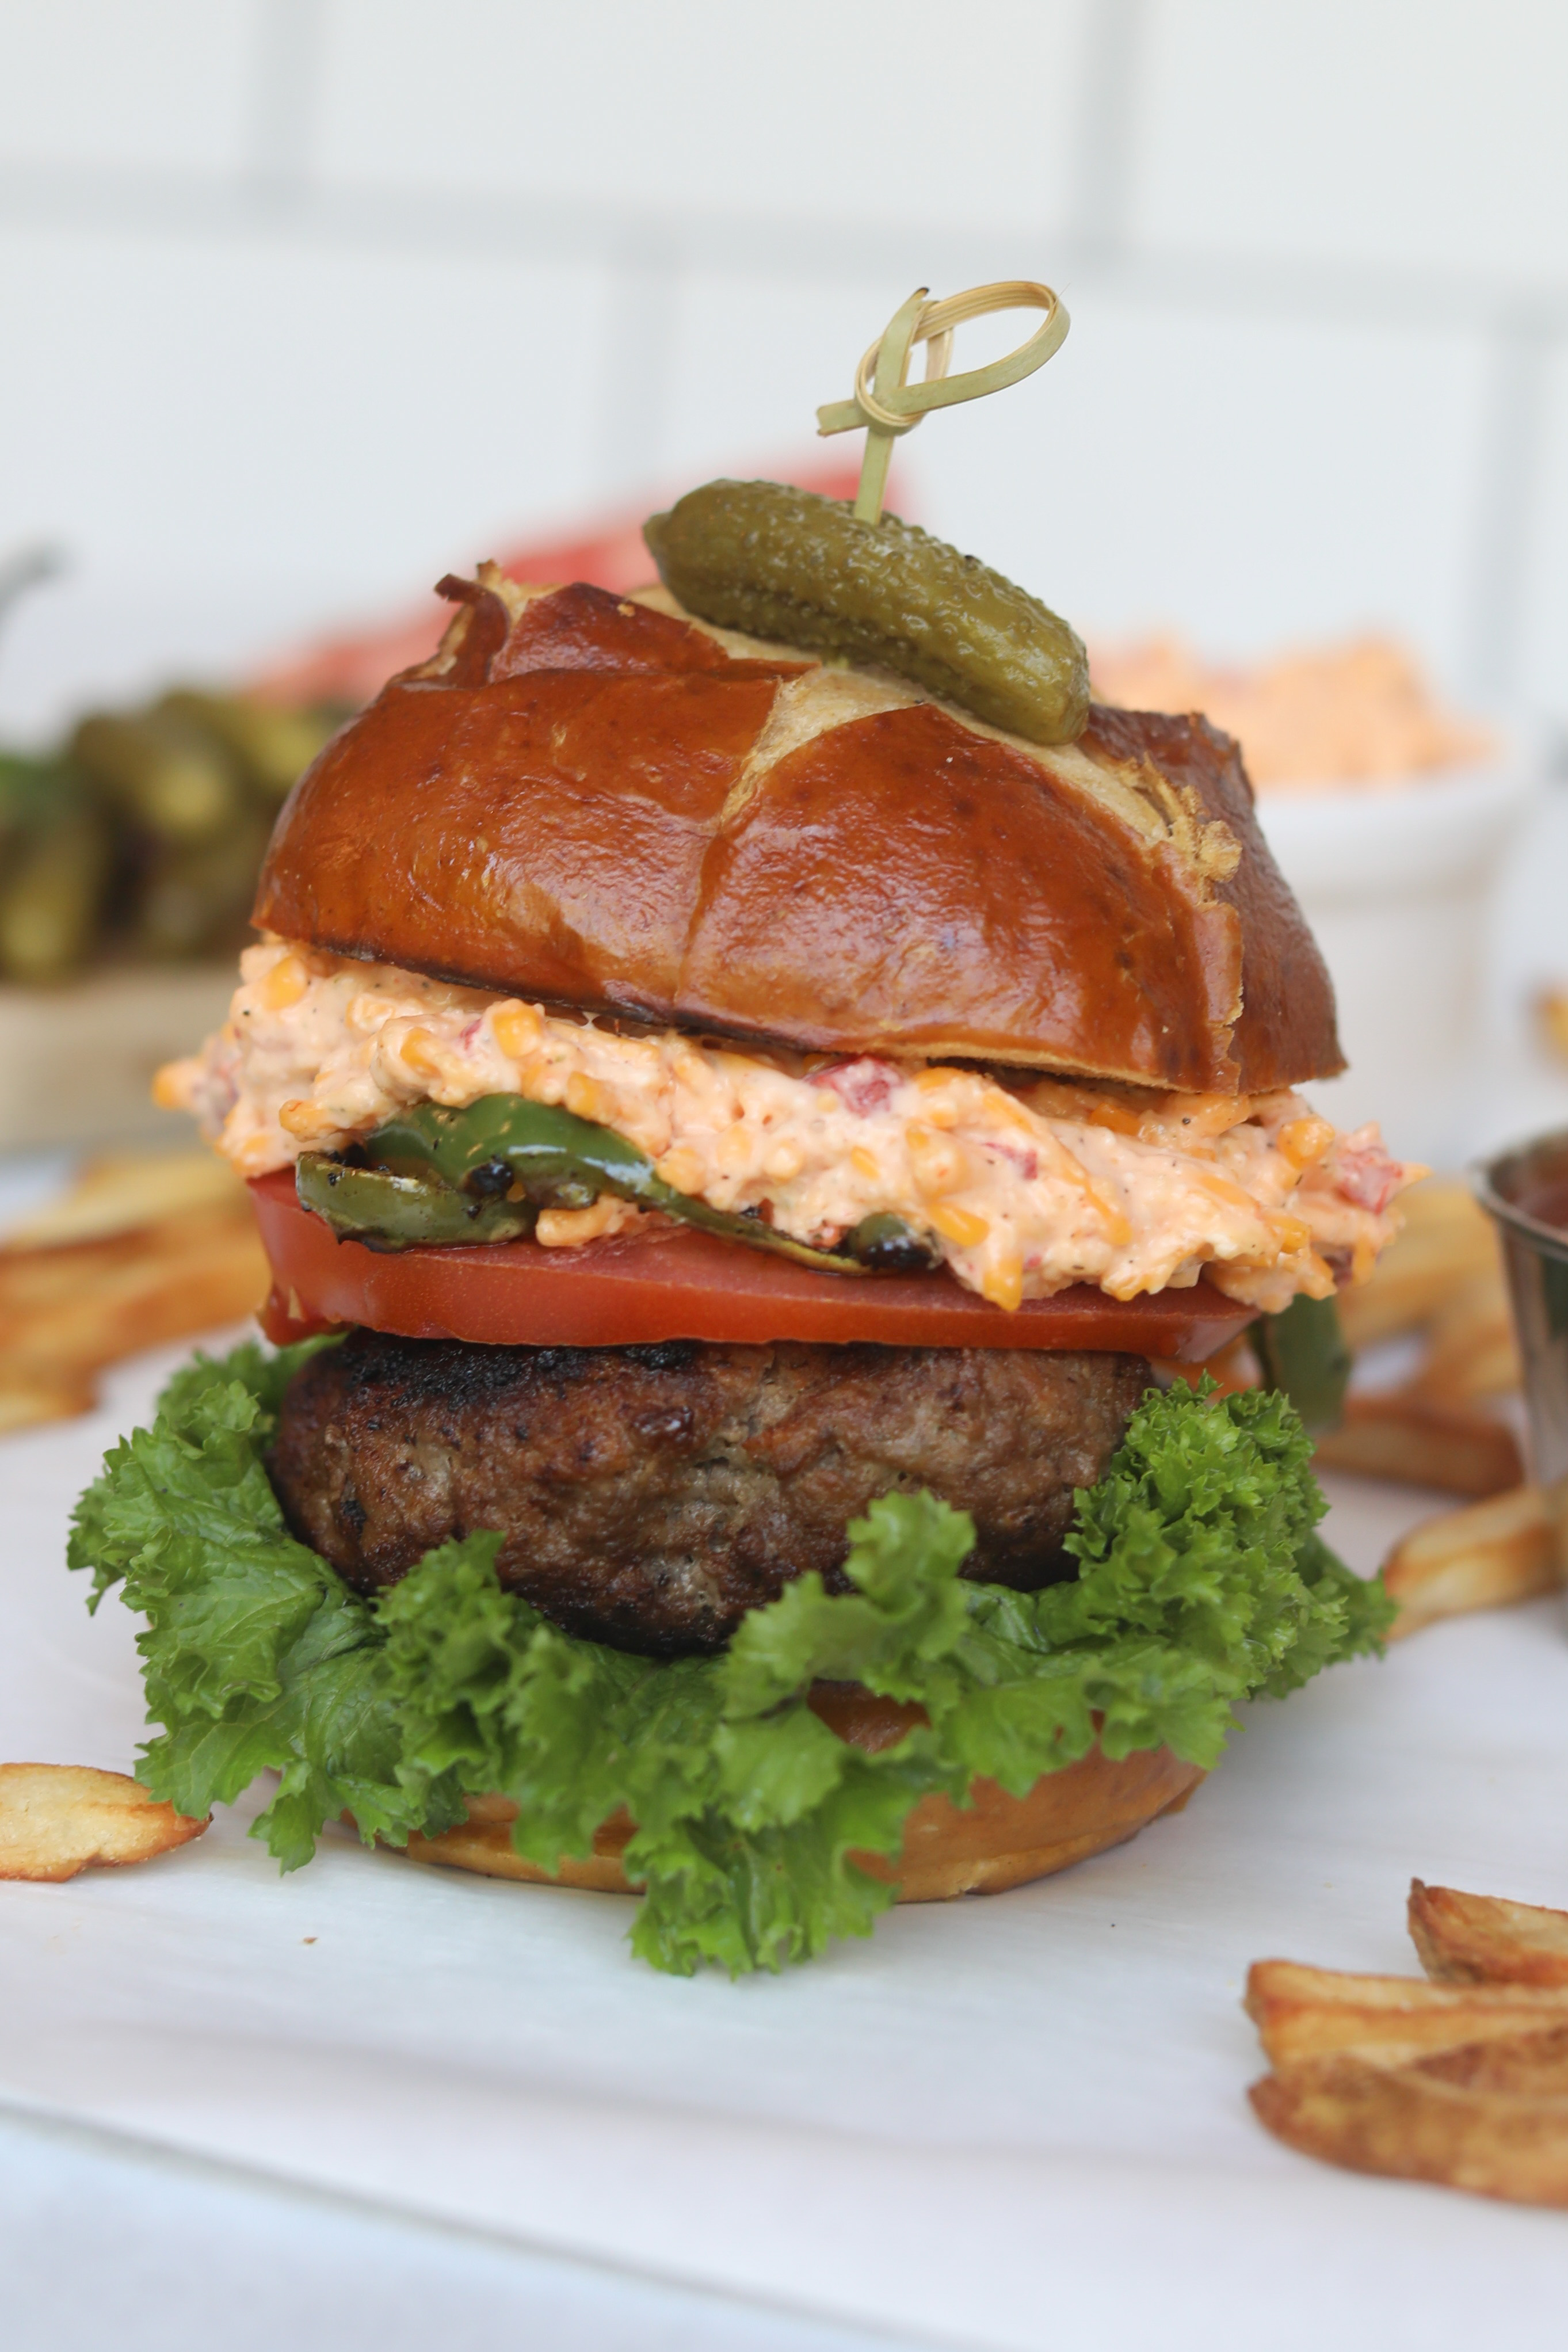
(162, 85)
(875, 114)
(1245, 476)
(748, 356)
(308, 300)
(234, 407)
(1543, 556)
(1420, 135)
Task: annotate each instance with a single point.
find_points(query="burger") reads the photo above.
(760, 1100)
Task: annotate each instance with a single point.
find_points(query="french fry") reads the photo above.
(1520, 2066)
(68, 1311)
(56, 1819)
(1497, 1552)
(1423, 1444)
(1463, 2081)
(1447, 1239)
(119, 1192)
(1483, 1939)
(1470, 1347)
(1443, 1277)
(1551, 1020)
(30, 1398)
(1303, 2014)
(1417, 2123)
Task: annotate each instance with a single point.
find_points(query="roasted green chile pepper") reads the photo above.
(789, 564)
(1302, 1352)
(470, 1162)
(535, 1145)
(885, 1244)
(482, 1174)
(397, 1212)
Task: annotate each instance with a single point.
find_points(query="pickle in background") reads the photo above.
(145, 837)
(55, 875)
(27, 789)
(193, 898)
(169, 779)
(272, 745)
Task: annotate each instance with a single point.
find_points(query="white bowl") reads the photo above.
(1397, 881)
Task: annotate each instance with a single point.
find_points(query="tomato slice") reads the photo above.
(676, 1283)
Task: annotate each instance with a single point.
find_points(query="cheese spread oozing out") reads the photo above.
(1025, 1186)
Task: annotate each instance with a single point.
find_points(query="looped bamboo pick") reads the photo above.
(887, 405)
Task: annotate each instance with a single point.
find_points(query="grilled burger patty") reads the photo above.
(649, 1496)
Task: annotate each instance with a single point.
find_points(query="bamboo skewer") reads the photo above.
(887, 405)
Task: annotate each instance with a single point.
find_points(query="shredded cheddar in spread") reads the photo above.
(1027, 1185)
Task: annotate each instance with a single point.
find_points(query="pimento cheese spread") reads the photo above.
(1025, 1186)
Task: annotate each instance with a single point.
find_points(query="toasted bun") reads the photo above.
(601, 805)
(995, 1842)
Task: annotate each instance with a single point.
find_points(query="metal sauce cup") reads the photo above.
(1526, 1190)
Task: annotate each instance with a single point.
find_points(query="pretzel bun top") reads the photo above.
(596, 802)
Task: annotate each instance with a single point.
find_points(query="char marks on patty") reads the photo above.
(648, 1496)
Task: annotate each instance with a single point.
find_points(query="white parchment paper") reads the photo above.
(1014, 2122)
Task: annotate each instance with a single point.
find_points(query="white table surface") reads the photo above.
(1014, 2122)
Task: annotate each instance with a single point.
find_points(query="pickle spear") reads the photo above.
(52, 888)
(174, 781)
(789, 564)
(273, 746)
(195, 896)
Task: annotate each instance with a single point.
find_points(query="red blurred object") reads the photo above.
(608, 552)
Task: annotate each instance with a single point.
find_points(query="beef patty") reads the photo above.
(649, 1496)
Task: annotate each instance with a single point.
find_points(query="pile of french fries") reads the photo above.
(1461, 2079)
(145, 1248)
(1440, 1284)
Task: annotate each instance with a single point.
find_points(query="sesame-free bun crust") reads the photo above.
(995, 1842)
(598, 804)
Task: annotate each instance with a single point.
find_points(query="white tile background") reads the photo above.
(305, 300)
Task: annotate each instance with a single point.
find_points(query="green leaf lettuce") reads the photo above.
(1200, 1583)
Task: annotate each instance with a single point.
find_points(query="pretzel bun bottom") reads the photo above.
(994, 1842)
